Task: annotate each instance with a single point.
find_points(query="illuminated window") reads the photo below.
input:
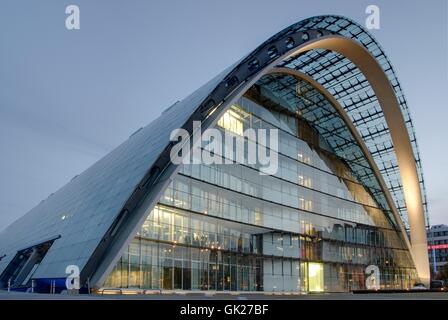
(305, 204)
(303, 158)
(315, 277)
(232, 122)
(304, 181)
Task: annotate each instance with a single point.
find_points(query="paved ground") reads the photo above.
(4, 295)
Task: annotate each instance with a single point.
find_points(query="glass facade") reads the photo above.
(314, 226)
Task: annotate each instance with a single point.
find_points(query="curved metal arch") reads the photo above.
(385, 94)
(259, 63)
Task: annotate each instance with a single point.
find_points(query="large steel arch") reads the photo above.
(247, 72)
(401, 142)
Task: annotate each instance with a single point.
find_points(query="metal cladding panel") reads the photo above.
(85, 208)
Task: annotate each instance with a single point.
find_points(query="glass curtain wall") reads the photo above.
(310, 227)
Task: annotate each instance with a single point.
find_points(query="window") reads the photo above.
(315, 277)
(232, 122)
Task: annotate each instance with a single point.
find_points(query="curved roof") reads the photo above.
(84, 210)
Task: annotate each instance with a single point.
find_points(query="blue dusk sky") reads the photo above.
(69, 97)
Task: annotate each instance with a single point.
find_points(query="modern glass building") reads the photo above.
(438, 248)
(348, 196)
